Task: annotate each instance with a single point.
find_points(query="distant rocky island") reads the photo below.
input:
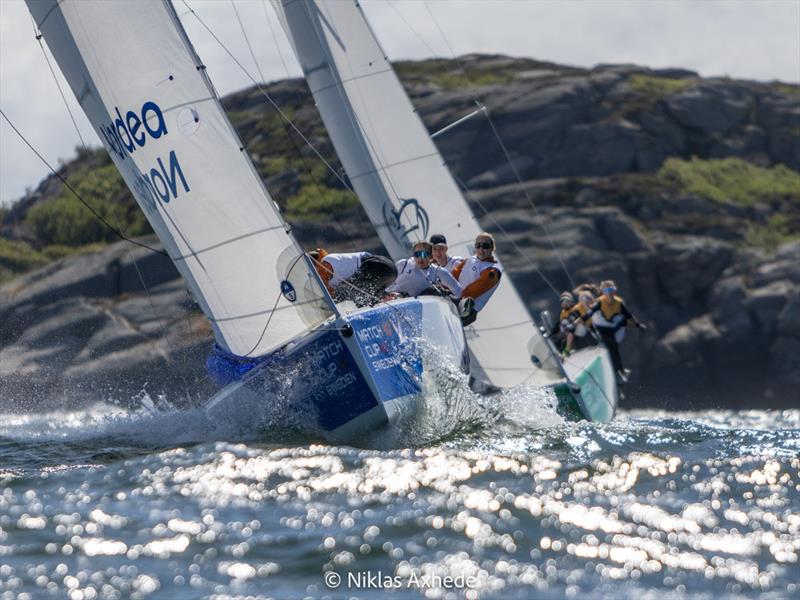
(685, 190)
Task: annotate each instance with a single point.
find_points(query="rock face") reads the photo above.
(725, 320)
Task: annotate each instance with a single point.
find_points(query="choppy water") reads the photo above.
(496, 494)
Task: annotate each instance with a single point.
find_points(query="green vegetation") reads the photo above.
(730, 180)
(657, 88)
(315, 202)
(457, 81)
(18, 257)
(786, 88)
(778, 230)
(65, 221)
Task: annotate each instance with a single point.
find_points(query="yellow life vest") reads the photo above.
(565, 313)
(610, 308)
(580, 309)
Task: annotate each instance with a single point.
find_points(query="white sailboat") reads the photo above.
(408, 194)
(145, 91)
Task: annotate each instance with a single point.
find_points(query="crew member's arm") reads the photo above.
(450, 282)
(485, 281)
(629, 316)
(324, 270)
(592, 309)
(456, 273)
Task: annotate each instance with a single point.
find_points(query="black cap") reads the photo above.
(438, 238)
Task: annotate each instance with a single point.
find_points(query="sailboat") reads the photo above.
(145, 90)
(408, 193)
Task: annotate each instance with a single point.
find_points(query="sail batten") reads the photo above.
(398, 173)
(147, 95)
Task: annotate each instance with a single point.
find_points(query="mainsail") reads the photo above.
(399, 175)
(145, 91)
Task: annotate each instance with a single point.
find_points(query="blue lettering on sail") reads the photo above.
(165, 181)
(124, 136)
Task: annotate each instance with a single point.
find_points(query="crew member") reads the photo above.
(609, 316)
(561, 327)
(440, 257)
(417, 276)
(579, 337)
(358, 276)
(479, 276)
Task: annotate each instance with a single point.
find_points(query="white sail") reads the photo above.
(398, 173)
(141, 84)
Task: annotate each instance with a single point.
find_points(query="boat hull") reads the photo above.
(354, 374)
(591, 385)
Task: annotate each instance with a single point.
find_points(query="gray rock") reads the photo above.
(665, 131)
(619, 231)
(780, 116)
(711, 107)
(728, 309)
(766, 303)
(785, 365)
(688, 267)
(789, 317)
(682, 346)
(595, 149)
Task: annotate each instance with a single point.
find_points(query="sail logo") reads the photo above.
(288, 291)
(124, 136)
(409, 217)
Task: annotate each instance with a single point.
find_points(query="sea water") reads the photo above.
(482, 497)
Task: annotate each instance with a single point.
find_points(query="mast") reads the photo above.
(146, 93)
(399, 175)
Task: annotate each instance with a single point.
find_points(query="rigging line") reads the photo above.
(271, 100)
(275, 39)
(352, 114)
(61, 178)
(508, 237)
(309, 171)
(247, 41)
(414, 31)
(501, 143)
(38, 35)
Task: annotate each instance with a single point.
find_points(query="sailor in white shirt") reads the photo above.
(416, 274)
(358, 276)
(440, 257)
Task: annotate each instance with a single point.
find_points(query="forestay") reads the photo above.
(137, 77)
(398, 173)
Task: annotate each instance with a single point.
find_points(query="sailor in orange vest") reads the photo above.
(570, 323)
(609, 316)
(478, 276)
(576, 315)
(358, 276)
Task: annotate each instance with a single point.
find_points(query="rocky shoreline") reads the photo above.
(725, 314)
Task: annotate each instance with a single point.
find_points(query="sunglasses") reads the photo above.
(484, 245)
(609, 290)
(421, 254)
